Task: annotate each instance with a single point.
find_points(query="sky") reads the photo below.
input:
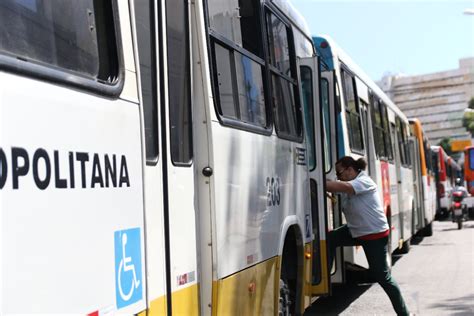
(395, 36)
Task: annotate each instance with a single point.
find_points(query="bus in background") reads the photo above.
(423, 180)
(363, 122)
(453, 171)
(469, 178)
(469, 169)
(444, 183)
(158, 162)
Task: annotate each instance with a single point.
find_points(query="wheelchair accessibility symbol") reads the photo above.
(128, 268)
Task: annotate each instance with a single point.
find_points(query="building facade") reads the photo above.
(438, 100)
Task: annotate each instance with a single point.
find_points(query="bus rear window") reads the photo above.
(69, 35)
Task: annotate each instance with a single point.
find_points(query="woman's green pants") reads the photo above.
(376, 253)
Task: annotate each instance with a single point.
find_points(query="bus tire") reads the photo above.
(284, 304)
(405, 247)
(428, 230)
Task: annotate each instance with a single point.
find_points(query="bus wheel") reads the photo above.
(428, 230)
(284, 305)
(405, 247)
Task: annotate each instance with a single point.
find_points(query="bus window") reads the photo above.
(408, 153)
(144, 19)
(77, 37)
(238, 60)
(352, 114)
(471, 159)
(179, 82)
(386, 132)
(377, 128)
(307, 89)
(283, 82)
(251, 98)
(326, 124)
(401, 141)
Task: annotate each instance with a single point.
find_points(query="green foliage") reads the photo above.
(446, 144)
(471, 103)
(468, 120)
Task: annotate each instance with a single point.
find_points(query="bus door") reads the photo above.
(414, 149)
(179, 170)
(317, 147)
(334, 210)
(169, 174)
(398, 172)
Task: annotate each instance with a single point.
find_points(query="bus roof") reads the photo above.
(290, 11)
(332, 52)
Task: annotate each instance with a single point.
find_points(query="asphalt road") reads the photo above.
(436, 278)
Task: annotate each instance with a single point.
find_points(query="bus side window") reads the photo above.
(386, 132)
(145, 19)
(74, 37)
(377, 128)
(283, 79)
(238, 61)
(353, 120)
(401, 141)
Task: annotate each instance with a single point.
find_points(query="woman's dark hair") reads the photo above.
(348, 161)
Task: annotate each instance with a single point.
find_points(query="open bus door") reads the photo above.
(314, 124)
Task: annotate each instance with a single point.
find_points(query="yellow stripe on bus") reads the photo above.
(184, 302)
(323, 286)
(253, 291)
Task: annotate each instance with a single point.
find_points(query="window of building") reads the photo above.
(77, 37)
(353, 121)
(283, 79)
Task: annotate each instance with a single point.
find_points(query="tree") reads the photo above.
(471, 103)
(446, 144)
(468, 118)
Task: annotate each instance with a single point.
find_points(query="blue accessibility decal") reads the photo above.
(128, 267)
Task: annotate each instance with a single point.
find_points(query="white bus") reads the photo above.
(363, 122)
(423, 180)
(153, 158)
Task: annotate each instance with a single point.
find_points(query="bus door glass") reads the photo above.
(417, 181)
(317, 146)
(179, 170)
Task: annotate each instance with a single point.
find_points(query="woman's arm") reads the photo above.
(339, 187)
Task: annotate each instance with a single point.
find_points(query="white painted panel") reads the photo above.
(57, 244)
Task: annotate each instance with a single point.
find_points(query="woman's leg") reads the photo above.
(376, 253)
(339, 237)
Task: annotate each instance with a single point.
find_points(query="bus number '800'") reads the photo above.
(273, 191)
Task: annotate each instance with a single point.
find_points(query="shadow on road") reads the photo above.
(342, 297)
(459, 306)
